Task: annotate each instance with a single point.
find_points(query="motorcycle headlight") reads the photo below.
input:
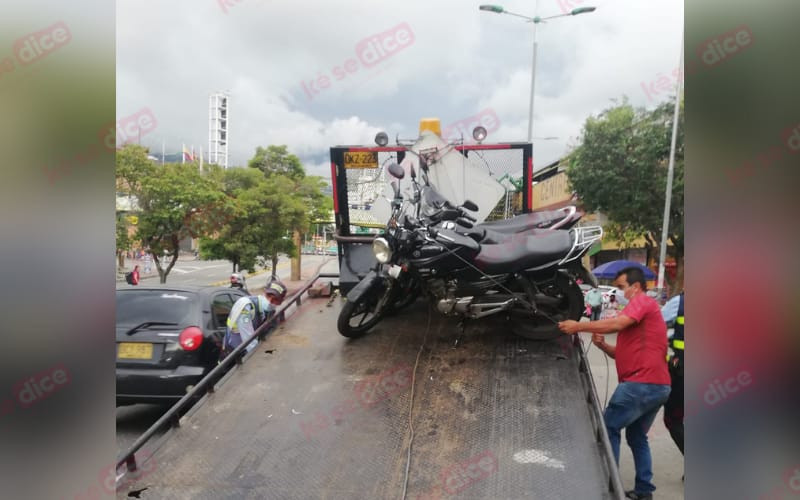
(380, 247)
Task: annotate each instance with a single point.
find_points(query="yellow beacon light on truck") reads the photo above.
(431, 124)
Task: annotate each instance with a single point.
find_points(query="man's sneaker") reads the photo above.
(638, 496)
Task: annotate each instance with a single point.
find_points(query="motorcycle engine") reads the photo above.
(448, 302)
(437, 288)
(446, 306)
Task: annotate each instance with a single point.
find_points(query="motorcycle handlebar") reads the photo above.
(466, 223)
(467, 216)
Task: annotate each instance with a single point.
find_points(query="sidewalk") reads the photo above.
(292, 286)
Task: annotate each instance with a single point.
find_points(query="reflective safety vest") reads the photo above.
(677, 341)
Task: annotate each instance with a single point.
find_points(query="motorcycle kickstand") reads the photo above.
(462, 325)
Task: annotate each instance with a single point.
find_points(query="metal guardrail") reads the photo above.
(207, 383)
(614, 481)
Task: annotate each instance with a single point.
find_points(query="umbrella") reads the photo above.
(610, 269)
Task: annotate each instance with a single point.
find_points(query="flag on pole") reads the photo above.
(186, 154)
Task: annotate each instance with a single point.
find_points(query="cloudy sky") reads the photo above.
(309, 74)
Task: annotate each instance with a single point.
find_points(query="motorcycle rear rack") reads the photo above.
(585, 237)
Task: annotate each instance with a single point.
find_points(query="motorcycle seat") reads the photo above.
(524, 251)
(524, 222)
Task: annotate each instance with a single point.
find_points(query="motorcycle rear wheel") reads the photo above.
(545, 326)
(358, 317)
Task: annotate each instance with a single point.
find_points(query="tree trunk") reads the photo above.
(296, 260)
(162, 278)
(275, 266)
(121, 259)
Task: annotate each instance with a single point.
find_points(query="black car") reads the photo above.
(168, 338)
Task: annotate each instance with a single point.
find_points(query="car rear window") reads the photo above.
(169, 306)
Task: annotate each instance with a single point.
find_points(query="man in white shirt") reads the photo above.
(594, 298)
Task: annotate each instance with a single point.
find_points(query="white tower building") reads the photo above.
(218, 128)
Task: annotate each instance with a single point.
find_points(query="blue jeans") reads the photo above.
(634, 406)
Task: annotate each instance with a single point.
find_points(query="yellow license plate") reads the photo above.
(135, 350)
(361, 159)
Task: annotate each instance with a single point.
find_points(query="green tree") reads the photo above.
(276, 160)
(175, 201)
(256, 232)
(268, 202)
(283, 211)
(231, 238)
(124, 241)
(305, 193)
(131, 168)
(620, 168)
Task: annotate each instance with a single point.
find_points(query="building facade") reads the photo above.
(551, 191)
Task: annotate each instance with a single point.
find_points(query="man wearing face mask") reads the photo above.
(644, 381)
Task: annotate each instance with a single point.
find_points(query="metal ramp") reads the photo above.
(314, 415)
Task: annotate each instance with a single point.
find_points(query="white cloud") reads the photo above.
(171, 55)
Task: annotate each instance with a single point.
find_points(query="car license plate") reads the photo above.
(135, 350)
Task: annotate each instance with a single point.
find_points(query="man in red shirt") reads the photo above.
(644, 381)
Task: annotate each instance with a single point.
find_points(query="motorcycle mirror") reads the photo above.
(413, 172)
(397, 171)
(470, 205)
(479, 133)
(396, 188)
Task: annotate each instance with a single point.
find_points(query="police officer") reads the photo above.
(673, 408)
(247, 314)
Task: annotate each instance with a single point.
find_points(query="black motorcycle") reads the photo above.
(433, 208)
(529, 278)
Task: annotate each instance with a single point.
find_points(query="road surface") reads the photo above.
(133, 420)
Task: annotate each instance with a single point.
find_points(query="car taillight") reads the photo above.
(191, 338)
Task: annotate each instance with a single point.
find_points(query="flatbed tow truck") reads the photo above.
(422, 407)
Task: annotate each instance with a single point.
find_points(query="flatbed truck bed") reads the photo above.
(311, 414)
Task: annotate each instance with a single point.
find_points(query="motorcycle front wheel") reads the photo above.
(358, 316)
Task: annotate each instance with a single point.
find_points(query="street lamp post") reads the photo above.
(498, 9)
(670, 172)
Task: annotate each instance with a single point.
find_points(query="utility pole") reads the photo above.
(670, 174)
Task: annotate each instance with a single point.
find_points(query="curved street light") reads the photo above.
(499, 9)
